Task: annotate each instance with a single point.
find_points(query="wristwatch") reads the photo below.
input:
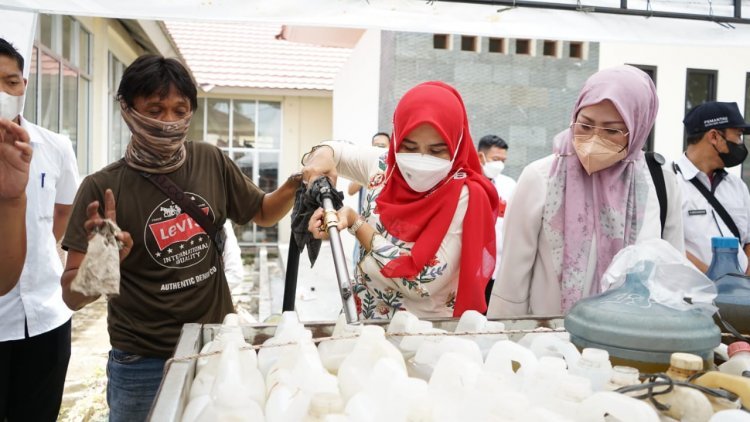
(357, 224)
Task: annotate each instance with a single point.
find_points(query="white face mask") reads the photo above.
(11, 106)
(493, 169)
(422, 171)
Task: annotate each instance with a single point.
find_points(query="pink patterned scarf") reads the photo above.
(607, 207)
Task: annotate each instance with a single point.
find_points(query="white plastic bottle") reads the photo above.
(355, 369)
(594, 364)
(232, 396)
(618, 406)
(323, 405)
(552, 345)
(503, 356)
(410, 343)
(474, 322)
(429, 353)
(623, 376)
(566, 397)
(739, 359)
(289, 330)
(230, 330)
(344, 338)
(732, 415)
(684, 403)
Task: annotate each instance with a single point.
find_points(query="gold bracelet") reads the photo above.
(357, 224)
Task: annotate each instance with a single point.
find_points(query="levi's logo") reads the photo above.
(178, 229)
(172, 238)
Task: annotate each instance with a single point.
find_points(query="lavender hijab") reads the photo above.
(605, 209)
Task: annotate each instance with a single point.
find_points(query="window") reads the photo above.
(576, 50)
(497, 45)
(119, 134)
(523, 47)
(441, 42)
(651, 72)
(249, 132)
(29, 109)
(700, 87)
(550, 48)
(746, 164)
(58, 94)
(469, 43)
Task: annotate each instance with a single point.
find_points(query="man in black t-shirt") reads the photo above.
(170, 268)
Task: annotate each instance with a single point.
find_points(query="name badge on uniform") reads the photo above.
(697, 212)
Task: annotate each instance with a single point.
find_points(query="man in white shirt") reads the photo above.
(493, 151)
(34, 320)
(714, 142)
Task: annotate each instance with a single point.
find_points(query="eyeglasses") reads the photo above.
(583, 128)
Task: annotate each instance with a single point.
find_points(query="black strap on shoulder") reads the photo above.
(166, 185)
(715, 204)
(655, 161)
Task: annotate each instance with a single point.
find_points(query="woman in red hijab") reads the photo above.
(426, 225)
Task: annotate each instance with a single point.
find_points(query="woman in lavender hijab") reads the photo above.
(575, 209)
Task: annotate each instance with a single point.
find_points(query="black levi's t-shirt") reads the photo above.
(173, 274)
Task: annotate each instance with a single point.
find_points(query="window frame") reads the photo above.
(231, 151)
(652, 72)
(711, 94)
(82, 141)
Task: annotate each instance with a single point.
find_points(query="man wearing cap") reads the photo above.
(714, 142)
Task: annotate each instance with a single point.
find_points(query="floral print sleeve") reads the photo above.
(431, 292)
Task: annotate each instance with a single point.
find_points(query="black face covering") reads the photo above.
(736, 155)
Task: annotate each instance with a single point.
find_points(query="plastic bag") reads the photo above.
(673, 281)
(99, 272)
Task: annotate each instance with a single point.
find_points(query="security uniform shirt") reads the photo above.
(701, 222)
(173, 274)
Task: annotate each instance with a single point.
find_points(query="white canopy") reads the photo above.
(436, 17)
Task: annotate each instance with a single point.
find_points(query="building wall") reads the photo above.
(306, 122)
(671, 64)
(356, 101)
(108, 36)
(525, 99)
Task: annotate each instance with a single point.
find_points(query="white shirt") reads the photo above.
(527, 281)
(505, 187)
(702, 222)
(232, 257)
(37, 297)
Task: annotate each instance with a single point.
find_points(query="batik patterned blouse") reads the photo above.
(432, 292)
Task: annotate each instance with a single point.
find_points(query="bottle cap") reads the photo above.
(738, 346)
(725, 242)
(594, 355)
(686, 361)
(625, 375)
(324, 403)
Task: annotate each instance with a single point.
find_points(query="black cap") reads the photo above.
(714, 115)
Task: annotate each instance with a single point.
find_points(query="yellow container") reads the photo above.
(734, 383)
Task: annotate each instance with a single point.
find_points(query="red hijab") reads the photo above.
(424, 218)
